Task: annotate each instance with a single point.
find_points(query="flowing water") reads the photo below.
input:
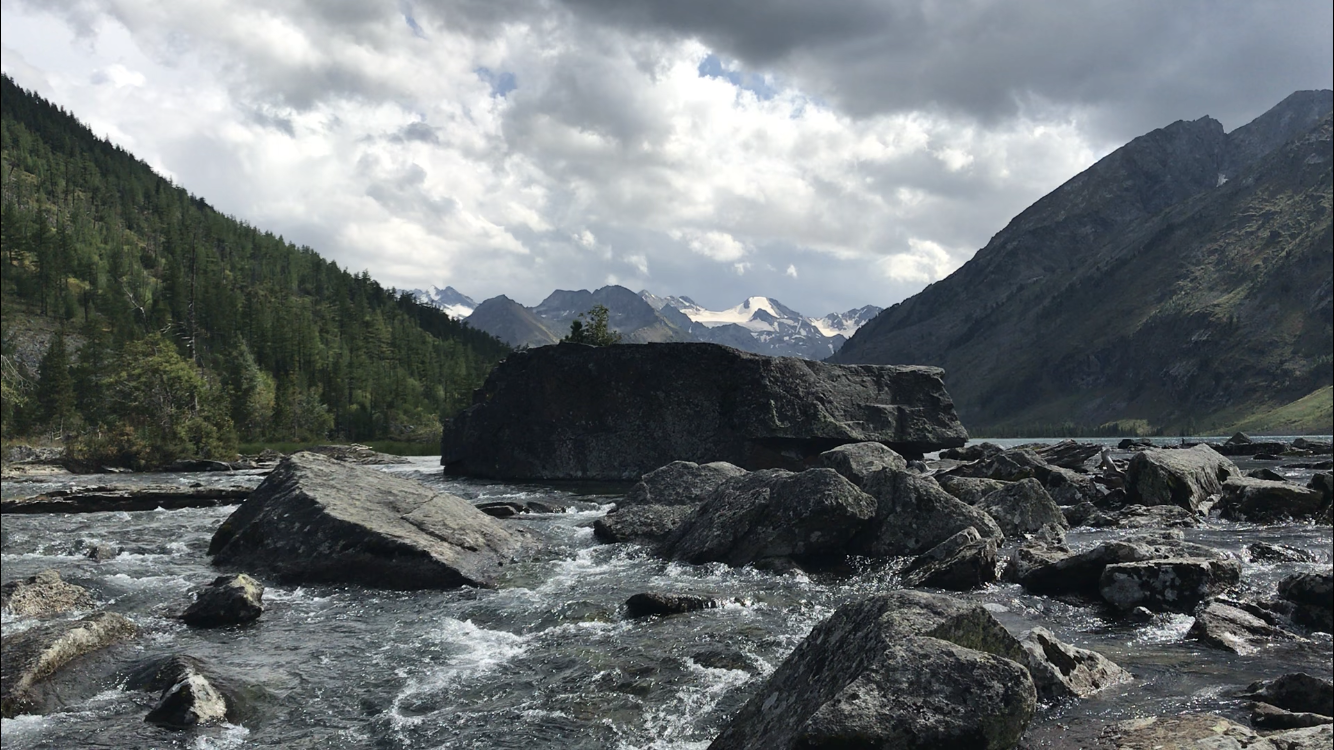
(548, 660)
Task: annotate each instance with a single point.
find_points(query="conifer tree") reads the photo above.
(55, 390)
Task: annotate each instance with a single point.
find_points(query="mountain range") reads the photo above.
(759, 324)
(1181, 283)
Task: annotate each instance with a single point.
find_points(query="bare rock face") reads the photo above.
(1062, 671)
(1185, 477)
(617, 412)
(679, 483)
(1022, 507)
(35, 655)
(772, 514)
(43, 595)
(319, 520)
(893, 670)
(229, 600)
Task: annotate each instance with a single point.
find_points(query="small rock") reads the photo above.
(641, 523)
(964, 561)
(229, 600)
(502, 509)
(1266, 474)
(1233, 629)
(189, 699)
(1061, 671)
(718, 658)
(1141, 615)
(43, 595)
(1265, 552)
(648, 604)
(1296, 691)
(1008, 466)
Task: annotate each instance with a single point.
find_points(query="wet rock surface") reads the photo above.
(679, 483)
(913, 514)
(1173, 584)
(1312, 595)
(649, 604)
(641, 523)
(1231, 628)
(43, 595)
(316, 519)
(1062, 671)
(1267, 501)
(1186, 477)
(33, 656)
(962, 562)
(571, 411)
(228, 600)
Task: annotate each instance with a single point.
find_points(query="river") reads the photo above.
(548, 660)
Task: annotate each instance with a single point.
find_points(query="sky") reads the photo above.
(829, 155)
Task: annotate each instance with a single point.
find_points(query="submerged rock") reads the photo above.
(773, 513)
(33, 656)
(893, 671)
(679, 483)
(648, 604)
(43, 595)
(964, 561)
(319, 520)
(229, 600)
(192, 701)
(1062, 671)
(1265, 552)
(571, 411)
(1187, 477)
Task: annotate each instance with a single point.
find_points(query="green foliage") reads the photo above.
(54, 394)
(245, 335)
(591, 328)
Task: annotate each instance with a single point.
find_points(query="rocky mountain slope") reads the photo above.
(457, 304)
(1183, 282)
(759, 324)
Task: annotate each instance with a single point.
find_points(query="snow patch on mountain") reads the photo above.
(456, 304)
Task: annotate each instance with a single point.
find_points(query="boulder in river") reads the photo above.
(652, 603)
(1208, 732)
(969, 490)
(964, 561)
(1267, 501)
(1312, 595)
(679, 483)
(1295, 691)
(1022, 507)
(773, 514)
(913, 514)
(1081, 573)
(33, 656)
(1187, 477)
(43, 595)
(641, 523)
(1063, 671)
(319, 520)
(572, 411)
(191, 701)
(1232, 628)
(893, 670)
(1007, 466)
(1172, 585)
(856, 461)
(229, 600)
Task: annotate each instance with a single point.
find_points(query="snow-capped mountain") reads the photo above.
(846, 323)
(449, 299)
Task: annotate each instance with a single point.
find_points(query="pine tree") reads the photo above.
(55, 389)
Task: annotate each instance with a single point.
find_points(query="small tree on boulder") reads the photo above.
(591, 328)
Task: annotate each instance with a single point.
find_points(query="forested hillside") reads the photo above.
(139, 320)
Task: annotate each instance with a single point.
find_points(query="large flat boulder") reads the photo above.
(1267, 501)
(1186, 477)
(904, 670)
(1081, 573)
(571, 411)
(315, 519)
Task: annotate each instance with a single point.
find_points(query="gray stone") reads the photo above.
(190, 700)
(1233, 629)
(773, 513)
(1312, 738)
(33, 656)
(1174, 584)
(1265, 552)
(1313, 597)
(1264, 501)
(679, 483)
(1265, 716)
(319, 520)
(1068, 487)
(641, 523)
(893, 670)
(913, 514)
(1007, 466)
(1186, 477)
(1296, 691)
(1082, 573)
(1022, 508)
(1068, 454)
(1062, 671)
(571, 411)
(964, 561)
(969, 490)
(43, 595)
(229, 600)
(1185, 732)
(1031, 555)
(857, 461)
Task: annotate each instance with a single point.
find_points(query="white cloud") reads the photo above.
(924, 262)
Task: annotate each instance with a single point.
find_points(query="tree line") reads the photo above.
(169, 329)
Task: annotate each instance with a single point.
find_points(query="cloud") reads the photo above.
(514, 147)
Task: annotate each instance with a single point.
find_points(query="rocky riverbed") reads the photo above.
(551, 656)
